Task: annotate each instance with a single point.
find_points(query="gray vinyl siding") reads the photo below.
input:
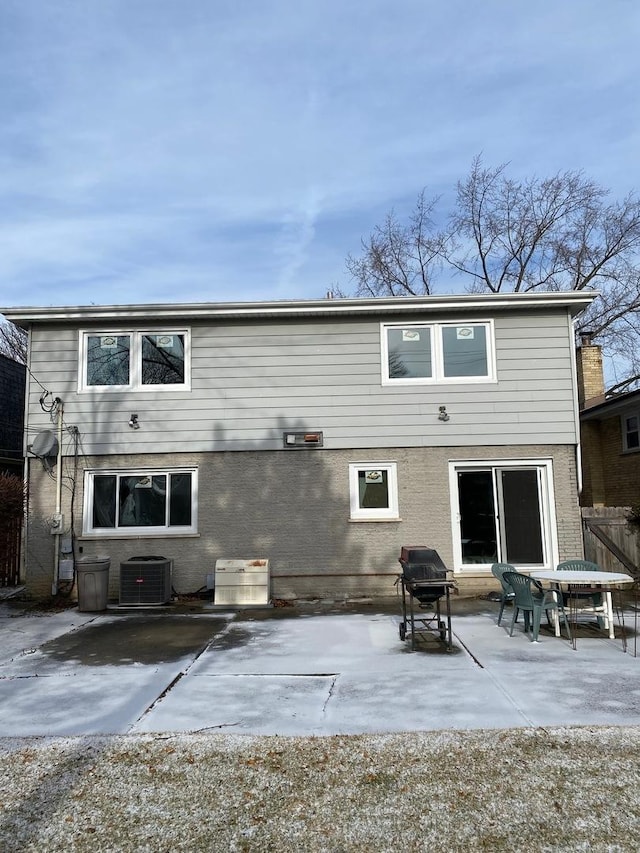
(252, 380)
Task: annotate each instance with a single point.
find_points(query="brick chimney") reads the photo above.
(590, 372)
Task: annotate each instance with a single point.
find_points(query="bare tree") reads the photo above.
(13, 341)
(553, 234)
(520, 236)
(558, 233)
(399, 259)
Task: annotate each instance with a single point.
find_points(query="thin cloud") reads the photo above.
(245, 148)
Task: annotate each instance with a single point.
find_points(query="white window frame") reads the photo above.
(359, 513)
(437, 354)
(88, 530)
(626, 431)
(135, 360)
(547, 501)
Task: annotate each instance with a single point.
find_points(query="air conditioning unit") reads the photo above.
(145, 581)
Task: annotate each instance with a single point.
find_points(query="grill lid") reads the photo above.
(421, 563)
(421, 554)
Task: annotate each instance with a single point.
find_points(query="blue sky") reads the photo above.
(214, 150)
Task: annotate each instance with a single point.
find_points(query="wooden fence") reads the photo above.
(10, 541)
(610, 541)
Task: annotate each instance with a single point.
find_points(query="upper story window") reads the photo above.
(124, 361)
(438, 352)
(631, 432)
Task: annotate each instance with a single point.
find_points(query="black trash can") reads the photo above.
(93, 583)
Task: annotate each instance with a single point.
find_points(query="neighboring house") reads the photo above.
(12, 390)
(610, 435)
(321, 435)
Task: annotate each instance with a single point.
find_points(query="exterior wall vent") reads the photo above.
(145, 581)
(302, 440)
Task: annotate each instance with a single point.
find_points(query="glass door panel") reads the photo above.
(520, 517)
(477, 516)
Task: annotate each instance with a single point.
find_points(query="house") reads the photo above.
(610, 436)
(321, 435)
(12, 391)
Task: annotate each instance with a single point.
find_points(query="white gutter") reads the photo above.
(574, 301)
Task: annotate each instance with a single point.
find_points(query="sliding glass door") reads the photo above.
(502, 513)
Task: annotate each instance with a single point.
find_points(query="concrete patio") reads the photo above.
(308, 670)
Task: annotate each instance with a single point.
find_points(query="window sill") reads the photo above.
(374, 520)
(469, 570)
(132, 389)
(449, 380)
(91, 537)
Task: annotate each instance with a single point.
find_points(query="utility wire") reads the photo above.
(35, 378)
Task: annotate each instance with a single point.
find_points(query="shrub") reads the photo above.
(11, 497)
(633, 517)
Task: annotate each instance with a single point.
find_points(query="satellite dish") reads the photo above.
(44, 445)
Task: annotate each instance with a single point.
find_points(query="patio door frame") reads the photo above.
(546, 500)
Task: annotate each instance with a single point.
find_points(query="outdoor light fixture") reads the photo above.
(133, 422)
(443, 416)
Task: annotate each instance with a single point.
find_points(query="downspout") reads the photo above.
(26, 467)
(576, 408)
(58, 516)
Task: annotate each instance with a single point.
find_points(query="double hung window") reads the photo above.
(140, 502)
(373, 489)
(437, 352)
(134, 360)
(631, 432)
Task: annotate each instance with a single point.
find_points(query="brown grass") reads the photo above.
(560, 789)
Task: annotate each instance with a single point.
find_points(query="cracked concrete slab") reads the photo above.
(303, 673)
(256, 704)
(79, 701)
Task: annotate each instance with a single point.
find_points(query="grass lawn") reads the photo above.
(558, 789)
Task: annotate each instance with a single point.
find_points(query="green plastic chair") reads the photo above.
(507, 594)
(575, 592)
(532, 599)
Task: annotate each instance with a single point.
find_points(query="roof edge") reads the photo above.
(574, 301)
(611, 406)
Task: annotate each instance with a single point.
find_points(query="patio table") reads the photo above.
(603, 581)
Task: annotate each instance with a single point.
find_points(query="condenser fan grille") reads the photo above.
(145, 581)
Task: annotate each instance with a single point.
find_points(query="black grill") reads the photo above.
(424, 578)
